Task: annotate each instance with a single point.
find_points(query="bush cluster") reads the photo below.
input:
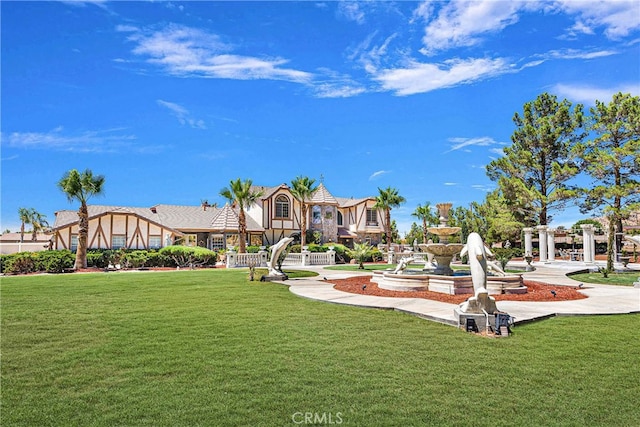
(60, 260)
(31, 262)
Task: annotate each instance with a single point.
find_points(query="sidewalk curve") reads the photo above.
(603, 299)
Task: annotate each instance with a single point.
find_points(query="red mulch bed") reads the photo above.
(537, 292)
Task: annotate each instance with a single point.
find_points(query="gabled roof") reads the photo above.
(347, 202)
(68, 217)
(186, 217)
(227, 219)
(268, 191)
(323, 197)
(176, 218)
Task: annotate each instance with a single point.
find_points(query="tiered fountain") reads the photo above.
(443, 252)
(443, 279)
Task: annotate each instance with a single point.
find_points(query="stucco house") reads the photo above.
(276, 214)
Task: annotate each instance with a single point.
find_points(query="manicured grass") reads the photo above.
(210, 348)
(622, 279)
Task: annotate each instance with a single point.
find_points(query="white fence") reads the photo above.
(234, 260)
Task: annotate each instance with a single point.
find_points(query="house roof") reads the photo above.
(227, 219)
(347, 202)
(176, 218)
(323, 197)
(268, 191)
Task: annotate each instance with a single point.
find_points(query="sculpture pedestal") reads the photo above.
(479, 319)
(274, 277)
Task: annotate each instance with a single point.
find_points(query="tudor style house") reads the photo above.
(275, 215)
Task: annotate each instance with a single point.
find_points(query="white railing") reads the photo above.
(321, 258)
(293, 259)
(246, 260)
(260, 259)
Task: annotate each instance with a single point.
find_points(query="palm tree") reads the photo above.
(428, 217)
(39, 223)
(242, 194)
(25, 215)
(360, 252)
(81, 186)
(302, 189)
(387, 200)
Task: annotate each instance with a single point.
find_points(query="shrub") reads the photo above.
(21, 263)
(134, 259)
(5, 260)
(156, 259)
(99, 258)
(186, 256)
(55, 261)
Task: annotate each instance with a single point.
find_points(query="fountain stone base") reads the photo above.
(451, 285)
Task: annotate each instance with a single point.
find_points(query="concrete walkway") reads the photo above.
(603, 299)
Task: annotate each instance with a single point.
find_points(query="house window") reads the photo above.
(316, 214)
(118, 241)
(155, 242)
(372, 217)
(217, 242)
(282, 206)
(340, 220)
(74, 243)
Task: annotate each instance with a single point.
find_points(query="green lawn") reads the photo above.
(210, 348)
(622, 279)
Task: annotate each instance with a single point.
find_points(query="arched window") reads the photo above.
(282, 206)
(340, 220)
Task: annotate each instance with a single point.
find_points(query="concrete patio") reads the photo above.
(602, 299)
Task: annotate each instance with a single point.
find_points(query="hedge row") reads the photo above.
(60, 260)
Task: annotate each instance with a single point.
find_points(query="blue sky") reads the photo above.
(172, 100)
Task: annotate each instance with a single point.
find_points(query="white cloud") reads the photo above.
(450, 184)
(578, 54)
(619, 18)
(109, 140)
(482, 141)
(182, 114)
(419, 77)
(377, 174)
(462, 23)
(589, 94)
(351, 10)
(483, 187)
(184, 51)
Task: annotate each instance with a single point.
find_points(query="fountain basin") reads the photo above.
(452, 285)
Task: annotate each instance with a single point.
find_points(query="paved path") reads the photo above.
(603, 299)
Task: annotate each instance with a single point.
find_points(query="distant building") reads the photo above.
(277, 214)
(10, 242)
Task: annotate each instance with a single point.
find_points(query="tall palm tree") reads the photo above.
(427, 216)
(387, 200)
(25, 218)
(81, 186)
(302, 189)
(242, 194)
(38, 222)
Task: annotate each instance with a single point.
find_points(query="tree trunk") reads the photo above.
(610, 244)
(242, 222)
(387, 227)
(303, 224)
(83, 230)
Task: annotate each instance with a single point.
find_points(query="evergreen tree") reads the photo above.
(536, 168)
